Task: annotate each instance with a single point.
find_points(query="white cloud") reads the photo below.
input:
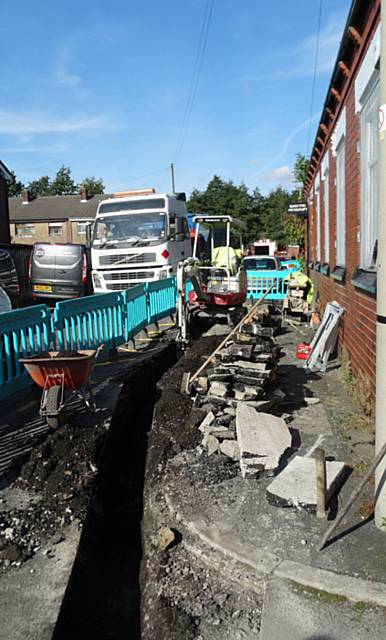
(279, 174)
(299, 61)
(24, 123)
(64, 76)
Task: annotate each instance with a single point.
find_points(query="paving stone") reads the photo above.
(261, 436)
(260, 405)
(219, 389)
(212, 445)
(257, 367)
(296, 484)
(207, 421)
(224, 433)
(250, 470)
(231, 449)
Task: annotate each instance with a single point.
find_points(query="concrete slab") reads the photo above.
(312, 614)
(261, 436)
(231, 449)
(296, 485)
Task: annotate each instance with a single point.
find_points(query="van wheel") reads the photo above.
(54, 395)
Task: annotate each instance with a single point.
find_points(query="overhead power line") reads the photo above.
(308, 150)
(196, 75)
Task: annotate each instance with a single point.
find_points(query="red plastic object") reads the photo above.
(48, 370)
(303, 350)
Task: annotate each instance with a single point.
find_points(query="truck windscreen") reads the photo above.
(132, 205)
(137, 229)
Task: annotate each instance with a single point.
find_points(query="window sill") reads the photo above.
(317, 266)
(325, 269)
(365, 281)
(339, 274)
(310, 264)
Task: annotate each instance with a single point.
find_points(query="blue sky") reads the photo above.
(102, 87)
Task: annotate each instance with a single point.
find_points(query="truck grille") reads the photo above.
(122, 258)
(128, 275)
(119, 286)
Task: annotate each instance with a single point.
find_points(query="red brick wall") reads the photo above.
(357, 336)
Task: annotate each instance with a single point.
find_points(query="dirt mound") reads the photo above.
(61, 472)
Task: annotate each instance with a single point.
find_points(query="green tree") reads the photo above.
(300, 170)
(293, 228)
(63, 184)
(40, 187)
(274, 206)
(93, 185)
(15, 187)
(225, 198)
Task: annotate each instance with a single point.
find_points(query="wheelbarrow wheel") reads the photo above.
(54, 395)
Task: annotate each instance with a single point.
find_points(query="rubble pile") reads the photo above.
(237, 393)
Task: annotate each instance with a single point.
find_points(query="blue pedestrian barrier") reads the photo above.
(86, 323)
(23, 332)
(162, 297)
(136, 310)
(260, 281)
(81, 323)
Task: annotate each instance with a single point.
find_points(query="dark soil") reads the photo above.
(103, 596)
(60, 471)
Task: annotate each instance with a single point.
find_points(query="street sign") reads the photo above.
(299, 209)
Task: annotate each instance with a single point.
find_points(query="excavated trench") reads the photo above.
(102, 599)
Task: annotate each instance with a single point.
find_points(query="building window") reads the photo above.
(317, 194)
(340, 205)
(81, 228)
(326, 203)
(369, 174)
(55, 229)
(25, 230)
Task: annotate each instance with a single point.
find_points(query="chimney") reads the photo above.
(26, 196)
(83, 193)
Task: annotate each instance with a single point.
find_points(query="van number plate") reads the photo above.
(42, 287)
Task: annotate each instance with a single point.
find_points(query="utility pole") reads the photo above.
(380, 410)
(173, 179)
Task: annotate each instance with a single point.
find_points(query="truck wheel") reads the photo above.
(54, 395)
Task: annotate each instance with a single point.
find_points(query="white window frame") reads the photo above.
(55, 225)
(28, 230)
(84, 225)
(341, 203)
(369, 172)
(326, 202)
(318, 214)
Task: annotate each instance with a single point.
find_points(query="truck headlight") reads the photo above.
(162, 275)
(97, 281)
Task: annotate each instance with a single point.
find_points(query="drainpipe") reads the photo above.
(380, 407)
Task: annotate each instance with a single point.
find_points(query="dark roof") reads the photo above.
(4, 172)
(53, 208)
(362, 16)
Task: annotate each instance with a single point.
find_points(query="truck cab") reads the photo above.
(138, 236)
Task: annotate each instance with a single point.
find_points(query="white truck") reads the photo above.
(138, 236)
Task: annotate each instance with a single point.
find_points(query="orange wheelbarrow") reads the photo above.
(61, 376)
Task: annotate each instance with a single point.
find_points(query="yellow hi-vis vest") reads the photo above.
(225, 258)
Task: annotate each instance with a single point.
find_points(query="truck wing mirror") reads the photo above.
(89, 228)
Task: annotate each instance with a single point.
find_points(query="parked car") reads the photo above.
(5, 302)
(59, 271)
(261, 263)
(9, 280)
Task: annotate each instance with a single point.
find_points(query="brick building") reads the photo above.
(5, 176)
(342, 191)
(52, 218)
